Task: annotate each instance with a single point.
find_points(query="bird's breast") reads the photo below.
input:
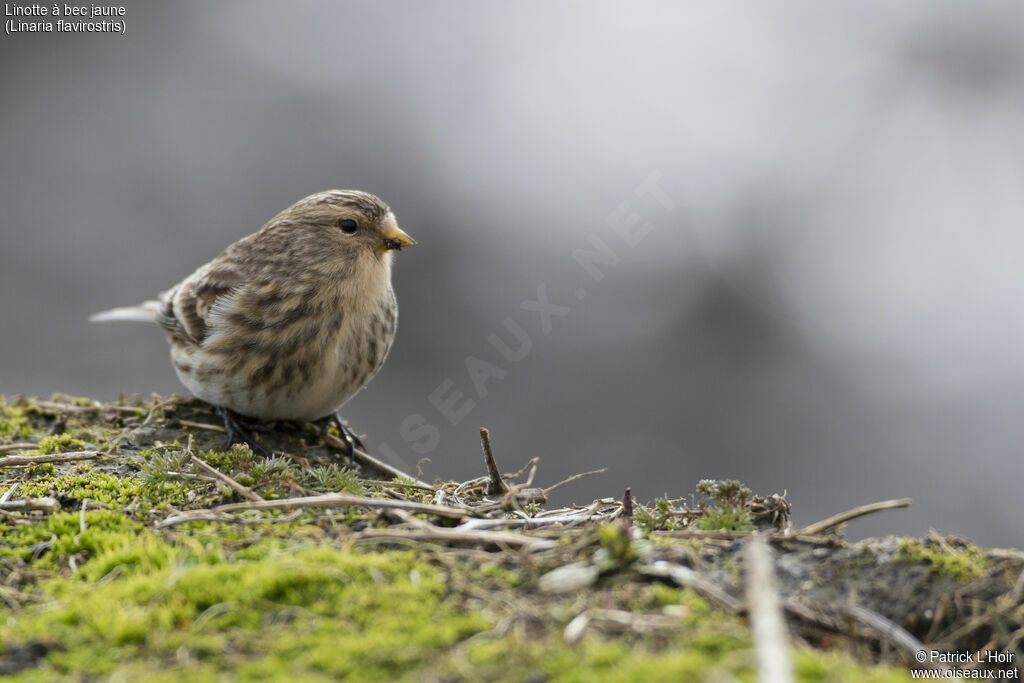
(350, 359)
(292, 367)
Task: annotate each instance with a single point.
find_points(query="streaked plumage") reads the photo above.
(291, 321)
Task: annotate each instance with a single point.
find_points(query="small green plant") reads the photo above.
(725, 492)
(332, 478)
(272, 470)
(730, 511)
(658, 517)
(159, 466)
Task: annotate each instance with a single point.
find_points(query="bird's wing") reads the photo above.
(185, 312)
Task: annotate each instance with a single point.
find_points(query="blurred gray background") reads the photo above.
(831, 307)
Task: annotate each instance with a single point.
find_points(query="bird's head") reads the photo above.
(346, 222)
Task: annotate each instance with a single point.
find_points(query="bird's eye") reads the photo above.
(348, 226)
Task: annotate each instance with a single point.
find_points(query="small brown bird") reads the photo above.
(291, 321)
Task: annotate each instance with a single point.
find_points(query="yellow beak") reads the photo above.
(395, 238)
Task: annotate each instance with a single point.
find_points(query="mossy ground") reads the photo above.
(96, 591)
(963, 563)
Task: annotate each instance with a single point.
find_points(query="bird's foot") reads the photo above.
(350, 438)
(241, 430)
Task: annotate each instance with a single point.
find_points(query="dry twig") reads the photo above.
(22, 460)
(66, 407)
(627, 509)
(57, 407)
(638, 623)
(396, 484)
(574, 478)
(201, 425)
(8, 493)
(843, 517)
(26, 504)
(565, 519)
(530, 465)
(156, 407)
(727, 535)
(496, 486)
(457, 535)
(326, 500)
(887, 630)
(767, 625)
(22, 446)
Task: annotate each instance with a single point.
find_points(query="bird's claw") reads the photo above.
(351, 439)
(240, 430)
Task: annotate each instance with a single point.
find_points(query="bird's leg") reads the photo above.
(350, 438)
(240, 430)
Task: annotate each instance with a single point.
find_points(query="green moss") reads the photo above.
(963, 564)
(14, 423)
(297, 614)
(826, 667)
(40, 470)
(616, 544)
(238, 458)
(60, 443)
(597, 659)
(51, 542)
(220, 601)
(107, 489)
(660, 595)
(493, 570)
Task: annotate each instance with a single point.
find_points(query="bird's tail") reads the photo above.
(144, 312)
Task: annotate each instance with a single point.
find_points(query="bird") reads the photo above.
(290, 322)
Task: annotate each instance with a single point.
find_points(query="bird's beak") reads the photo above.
(394, 238)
